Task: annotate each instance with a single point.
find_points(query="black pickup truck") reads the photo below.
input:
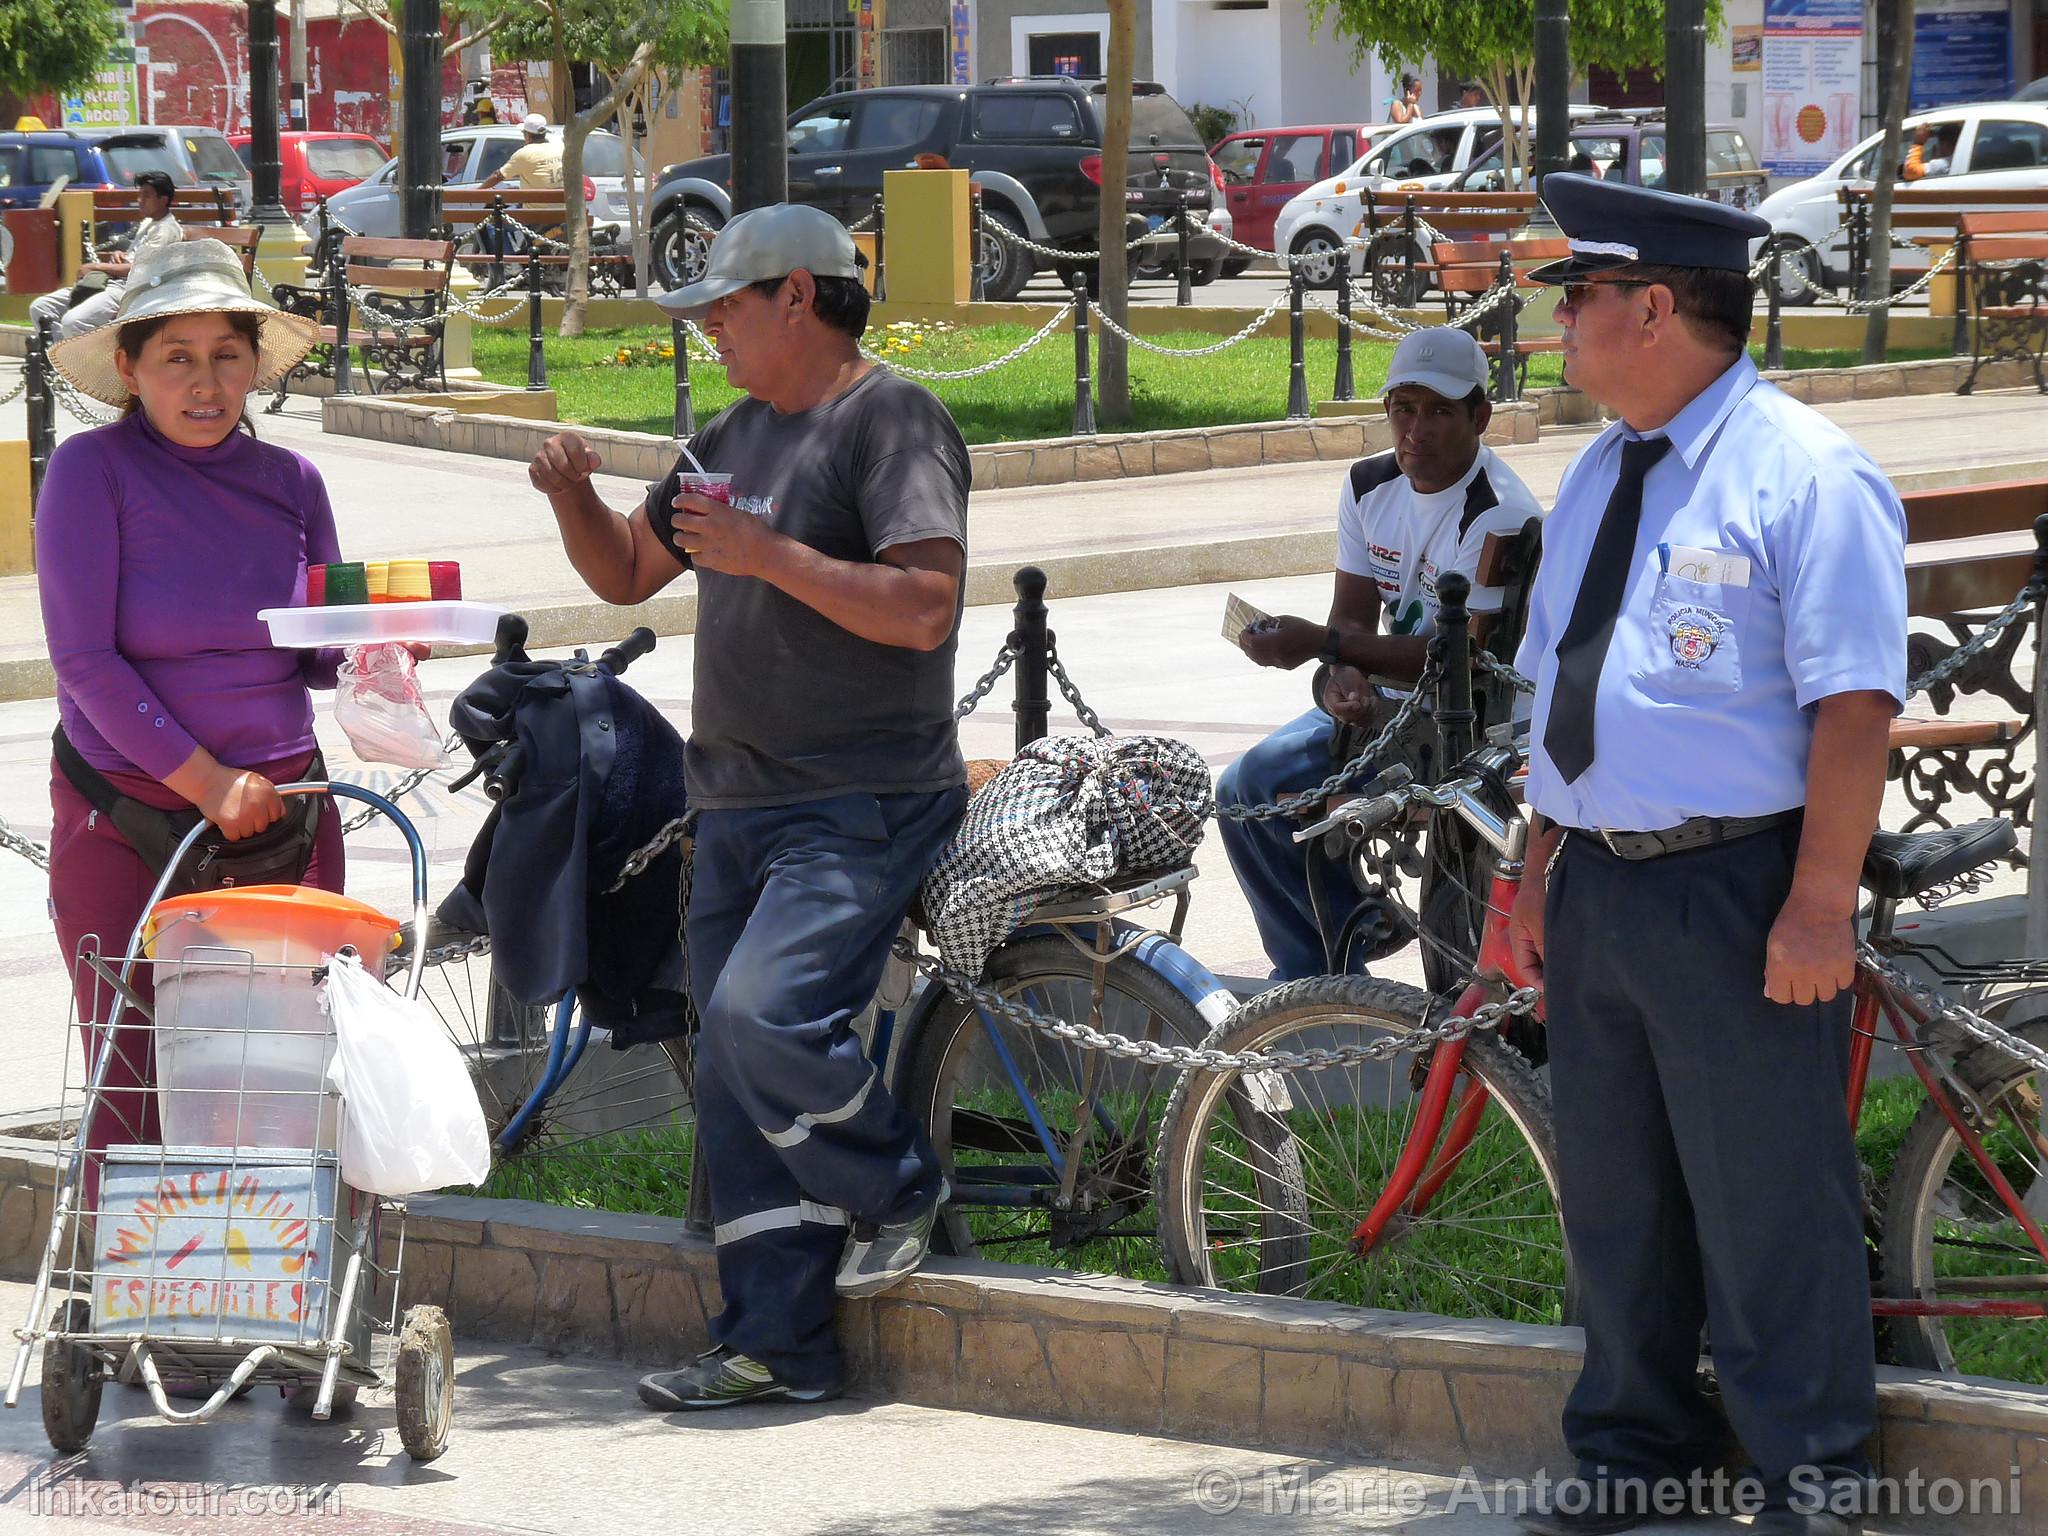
(1034, 147)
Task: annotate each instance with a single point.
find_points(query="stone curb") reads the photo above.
(1117, 1354)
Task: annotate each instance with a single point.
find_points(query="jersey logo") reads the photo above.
(1695, 635)
(1406, 621)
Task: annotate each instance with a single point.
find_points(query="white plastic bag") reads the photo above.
(410, 1119)
(378, 702)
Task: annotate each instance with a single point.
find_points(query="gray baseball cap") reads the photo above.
(763, 243)
(1440, 358)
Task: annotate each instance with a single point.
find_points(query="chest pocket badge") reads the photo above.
(1694, 637)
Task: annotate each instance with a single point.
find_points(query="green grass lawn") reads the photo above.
(1030, 398)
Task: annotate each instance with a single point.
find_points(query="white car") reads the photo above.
(1422, 157)
(1997, 145)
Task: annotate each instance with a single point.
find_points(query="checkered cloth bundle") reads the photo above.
(1069, 811)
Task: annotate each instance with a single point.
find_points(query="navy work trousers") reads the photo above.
(1708, 1169)
(1273, 869)
(792, 911)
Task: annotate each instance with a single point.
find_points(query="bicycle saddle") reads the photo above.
(1902, 864)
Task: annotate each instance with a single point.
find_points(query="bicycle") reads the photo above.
(1445, 1199)
(1047, 1145)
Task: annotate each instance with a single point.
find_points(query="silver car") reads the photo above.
(469, 155)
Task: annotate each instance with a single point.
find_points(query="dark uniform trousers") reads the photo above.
(1708, 1169)
(792, 912)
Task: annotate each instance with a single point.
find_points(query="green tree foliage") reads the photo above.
(53, 45)
(1495, 40)
(626, 41)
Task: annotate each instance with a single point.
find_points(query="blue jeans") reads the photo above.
(1272, 868)
(792, 910)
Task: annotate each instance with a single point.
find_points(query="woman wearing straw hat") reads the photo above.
(158, 537)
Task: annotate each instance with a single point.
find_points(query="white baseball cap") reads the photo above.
(534, 122)
(763, 243)
(1441, 358)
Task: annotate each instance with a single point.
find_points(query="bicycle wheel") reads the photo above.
(1004, 1106)
(1265, 1175)
(1948, 1236)
(616, 1131)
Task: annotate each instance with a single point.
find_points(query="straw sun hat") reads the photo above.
(196, 277)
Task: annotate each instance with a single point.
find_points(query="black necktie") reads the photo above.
(1568, 733)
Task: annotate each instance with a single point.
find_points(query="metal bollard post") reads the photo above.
(1297, 372)
(497, 240)
(1959, 341)
(977, 289)
(337, 294)
(881, 255)
(536, 356)
(1408, 257)
(40, 406)
(1084, 397)
(1186, 278)
(1029, 639)
(686, 409)
(1509, 385)
(1345, 388)
(1774, 328)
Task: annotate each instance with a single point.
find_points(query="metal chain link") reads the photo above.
(1293, 804)
(1978, 643)
(1943, 1009)
(971, 700)
(404, 787)
(1057, 670)
(1052, 253)
(650, 850)
(1522, 1000)
(27, 847)
(1486, 661)
(979, 368)
(19, 389)
(1209, 351)
(1870, 306)
(82, 406)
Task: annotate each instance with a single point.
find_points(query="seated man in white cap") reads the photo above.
(537, 164)
(1404, 518)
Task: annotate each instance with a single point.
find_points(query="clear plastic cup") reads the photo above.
(716, 487)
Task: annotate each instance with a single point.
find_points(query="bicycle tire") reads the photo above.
(1489, 1244)
(1939, 1206)
(973, 1118)
(617, 1130)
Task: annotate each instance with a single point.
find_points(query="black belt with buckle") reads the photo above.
(1700, 832)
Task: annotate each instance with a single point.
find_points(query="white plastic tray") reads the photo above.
(354, 623)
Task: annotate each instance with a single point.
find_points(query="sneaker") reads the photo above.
(719, 1379)
(881, 1253)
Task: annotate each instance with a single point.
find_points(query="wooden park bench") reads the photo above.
(2002, 278)
(1468, 273)
(469, 213)
(1968, 551)
(116, 210)
(1400, 228)
(394, 309)
(1924, 222)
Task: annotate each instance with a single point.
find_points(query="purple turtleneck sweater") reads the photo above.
(152, 560)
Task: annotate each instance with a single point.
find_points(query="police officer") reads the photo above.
(1717, 637)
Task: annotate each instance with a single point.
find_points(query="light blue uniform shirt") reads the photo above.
(1705, 699)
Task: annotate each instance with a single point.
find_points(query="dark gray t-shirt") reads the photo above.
(789, 706)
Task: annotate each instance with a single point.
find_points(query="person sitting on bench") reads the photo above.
(74, 311)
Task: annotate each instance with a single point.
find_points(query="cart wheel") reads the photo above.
(424, 1382)
(72, 1379)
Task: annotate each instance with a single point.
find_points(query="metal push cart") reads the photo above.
(227, 1252)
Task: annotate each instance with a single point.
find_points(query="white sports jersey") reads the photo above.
(1402, 539)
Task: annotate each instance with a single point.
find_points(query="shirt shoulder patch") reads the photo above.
(1368, 475)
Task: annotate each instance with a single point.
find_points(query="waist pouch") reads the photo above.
(278, 855)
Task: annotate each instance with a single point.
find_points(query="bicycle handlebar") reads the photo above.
(627, 651)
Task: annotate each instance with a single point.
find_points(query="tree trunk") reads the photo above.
(575, 134)
(1113, 366)
(1895, 84)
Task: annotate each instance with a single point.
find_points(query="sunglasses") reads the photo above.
(1577, 293)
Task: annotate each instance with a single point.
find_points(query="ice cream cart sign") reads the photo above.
(194, 1249)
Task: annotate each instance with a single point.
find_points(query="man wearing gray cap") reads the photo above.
(825, 516)
(1404, 518)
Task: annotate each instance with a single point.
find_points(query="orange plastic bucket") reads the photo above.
(276, 924)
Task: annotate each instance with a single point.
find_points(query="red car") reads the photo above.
(1264, 167)
(317, 165)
